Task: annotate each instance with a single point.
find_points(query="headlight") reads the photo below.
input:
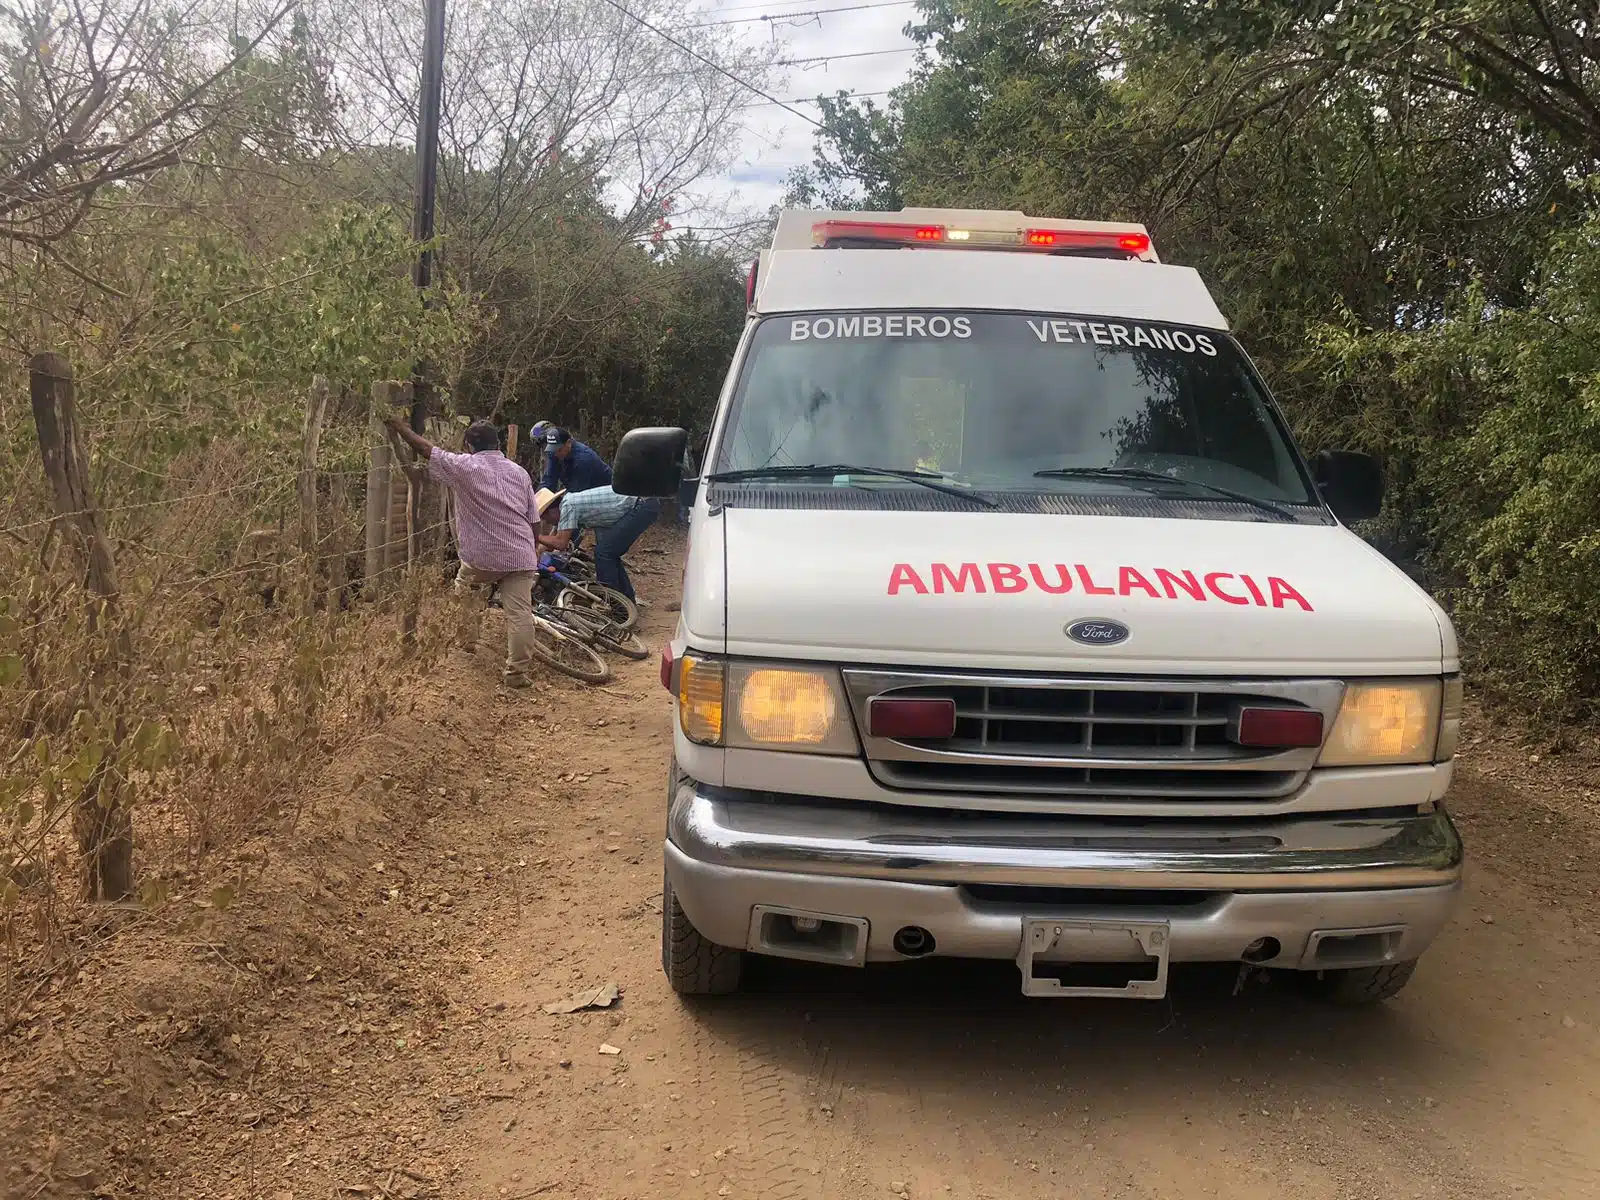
(762, 706)
(1383, 724)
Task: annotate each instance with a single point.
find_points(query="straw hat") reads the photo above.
(544, 498)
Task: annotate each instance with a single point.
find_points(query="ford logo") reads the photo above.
(1097, 632)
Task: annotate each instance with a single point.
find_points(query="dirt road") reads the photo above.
(491, 852)
(937, 1080)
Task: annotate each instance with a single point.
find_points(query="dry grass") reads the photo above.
(225, 673)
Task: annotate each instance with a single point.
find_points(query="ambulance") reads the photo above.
(1016, 626)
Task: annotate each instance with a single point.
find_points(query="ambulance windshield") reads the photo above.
(993, 399)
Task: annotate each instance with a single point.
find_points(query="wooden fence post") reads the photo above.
(338, 552)
(377, 488)
(101, 820)
(306, 485)
(415, 473)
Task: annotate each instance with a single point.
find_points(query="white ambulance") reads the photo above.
(1015, 626)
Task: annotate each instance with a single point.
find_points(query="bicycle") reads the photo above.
(595, 601)
(561, 640)
(562, 643)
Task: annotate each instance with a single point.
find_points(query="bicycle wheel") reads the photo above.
(622, 642)
(596, 600)
(559, 646)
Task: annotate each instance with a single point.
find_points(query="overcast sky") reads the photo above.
(775, 141)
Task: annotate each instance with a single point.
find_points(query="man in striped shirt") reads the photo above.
(496, 513)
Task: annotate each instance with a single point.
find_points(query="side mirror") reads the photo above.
(1351, 483)
(649, 462)
(688, 490)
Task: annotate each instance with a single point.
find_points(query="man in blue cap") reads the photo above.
(569, 464)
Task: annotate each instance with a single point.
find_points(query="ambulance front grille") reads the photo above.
(1115, 737)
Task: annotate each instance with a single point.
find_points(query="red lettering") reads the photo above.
(1211, 582)
(1255, 592)
(1063, 582)
(958, 583)
(1129, 578)
(1186, 581)
(1281, 591)
(1007, 577)
(905, 575)
(1090, 586)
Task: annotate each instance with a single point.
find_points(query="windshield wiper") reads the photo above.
(808, 470)
(1138, 475)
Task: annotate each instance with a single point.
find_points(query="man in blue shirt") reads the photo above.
(617, 521)
(569, 464)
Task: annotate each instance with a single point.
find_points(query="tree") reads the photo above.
(1536, 60)
(94, 95)
(1345, 176)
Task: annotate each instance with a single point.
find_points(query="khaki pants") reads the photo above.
(516, 600)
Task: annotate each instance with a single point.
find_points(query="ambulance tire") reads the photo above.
(694, 966)
(1356, 987)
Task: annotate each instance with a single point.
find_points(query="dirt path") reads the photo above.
(940, 1080)
(936, 1080)
(490, 852)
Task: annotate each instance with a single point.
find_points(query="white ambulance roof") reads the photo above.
(819, 280)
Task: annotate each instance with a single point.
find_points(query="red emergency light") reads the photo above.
(1076, 239)
(824, 232)
(750, 284)
(895, 233)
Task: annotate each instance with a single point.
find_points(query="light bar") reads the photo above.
(1127, 241)
(875, 231)
(1075, 239)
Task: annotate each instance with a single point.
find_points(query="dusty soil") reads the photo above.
(367, 1019)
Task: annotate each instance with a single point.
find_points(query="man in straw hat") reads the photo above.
(496, 514)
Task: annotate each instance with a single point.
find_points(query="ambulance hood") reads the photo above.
(999, 591)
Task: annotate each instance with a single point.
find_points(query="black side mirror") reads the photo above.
(1351, 483)
(649, 462)
(688, 490)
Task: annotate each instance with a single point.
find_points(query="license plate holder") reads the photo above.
(1052, 939)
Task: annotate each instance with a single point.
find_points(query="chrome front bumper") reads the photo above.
(731, 855)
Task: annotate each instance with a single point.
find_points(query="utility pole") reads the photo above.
(427, 188)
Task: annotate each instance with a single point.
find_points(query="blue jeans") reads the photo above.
(612, 542)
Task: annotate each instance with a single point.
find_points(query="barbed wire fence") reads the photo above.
(171, 665)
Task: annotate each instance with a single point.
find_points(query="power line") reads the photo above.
(828, 58)
(715, 66)
(744, 83)
(815, 100)
(733, 8)
(803, 12)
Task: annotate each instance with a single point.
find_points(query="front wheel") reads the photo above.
(626, 644)
(561, 649)
(694, 966)
(598, 602)
(1358, 986)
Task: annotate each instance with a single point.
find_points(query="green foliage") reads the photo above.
(1388, 209)
(234, 341)
(1510, 479)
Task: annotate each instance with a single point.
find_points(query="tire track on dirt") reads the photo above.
(762, 1108)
